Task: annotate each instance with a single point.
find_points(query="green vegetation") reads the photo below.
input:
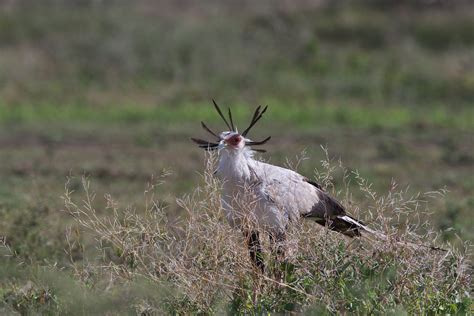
(113, 91)
(308, 116)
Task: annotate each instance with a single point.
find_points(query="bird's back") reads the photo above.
(295, 193)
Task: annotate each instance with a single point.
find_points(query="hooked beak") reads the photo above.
(233, 141)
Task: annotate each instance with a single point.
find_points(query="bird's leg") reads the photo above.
(255, 249)
(277, 241)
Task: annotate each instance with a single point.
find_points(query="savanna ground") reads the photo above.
(113, 91)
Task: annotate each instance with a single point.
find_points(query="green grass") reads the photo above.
(87, 55)
(304, 115)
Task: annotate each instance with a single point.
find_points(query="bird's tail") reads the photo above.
(357, 226)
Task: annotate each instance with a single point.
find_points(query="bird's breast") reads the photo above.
(234, 169)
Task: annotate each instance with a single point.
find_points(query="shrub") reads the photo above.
(205, 263)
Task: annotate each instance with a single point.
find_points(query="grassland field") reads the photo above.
(114, 91)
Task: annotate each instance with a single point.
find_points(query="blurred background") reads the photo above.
(114, 90)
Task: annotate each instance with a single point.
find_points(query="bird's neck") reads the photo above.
(235, 166)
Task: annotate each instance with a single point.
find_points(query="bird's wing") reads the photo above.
(297, 196)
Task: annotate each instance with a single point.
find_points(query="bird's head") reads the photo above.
(231, 140)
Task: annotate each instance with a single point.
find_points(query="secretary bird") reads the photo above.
(280, 195)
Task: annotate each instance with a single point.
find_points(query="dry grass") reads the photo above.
(207, 266)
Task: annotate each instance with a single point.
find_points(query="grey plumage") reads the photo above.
(260, 196)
